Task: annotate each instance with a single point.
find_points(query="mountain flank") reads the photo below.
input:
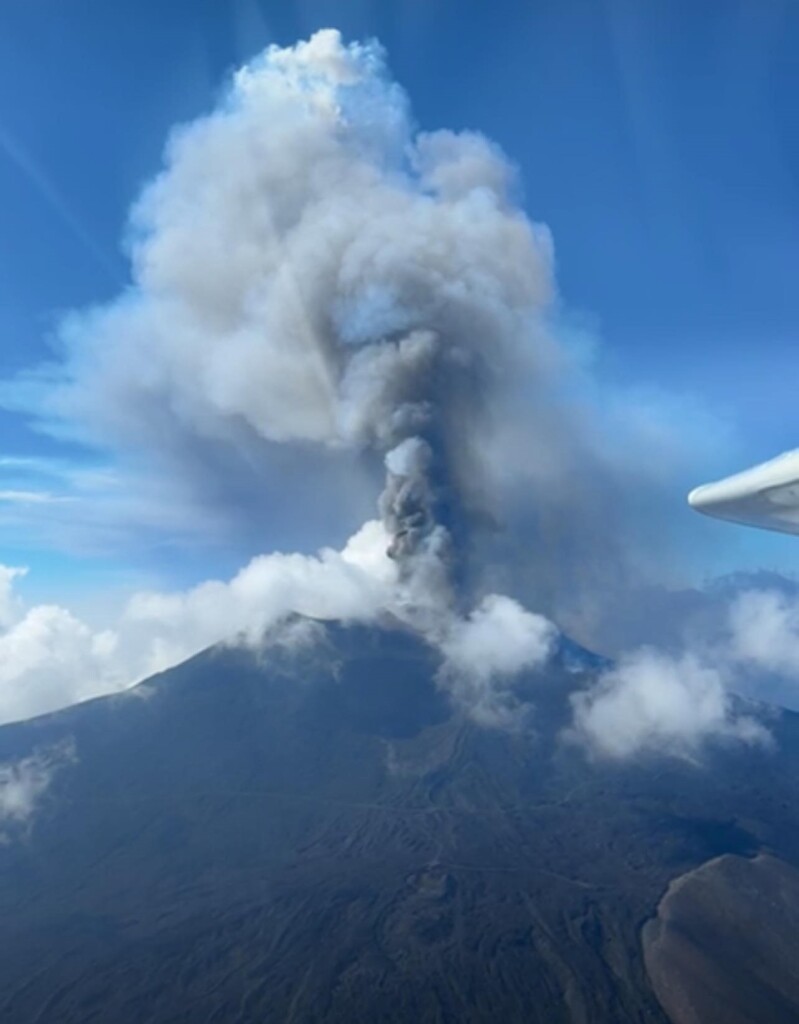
(314, 833)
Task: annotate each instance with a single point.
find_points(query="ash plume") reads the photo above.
(315, 285)
(321, 292)
(310, 272)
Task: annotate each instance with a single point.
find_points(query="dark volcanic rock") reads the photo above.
(317, 836)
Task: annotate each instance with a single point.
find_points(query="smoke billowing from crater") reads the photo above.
(309, 271)
(313, 275)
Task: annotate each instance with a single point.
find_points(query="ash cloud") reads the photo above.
(317, 283)
(309, 271)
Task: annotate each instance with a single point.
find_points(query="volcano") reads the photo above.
(314, 833)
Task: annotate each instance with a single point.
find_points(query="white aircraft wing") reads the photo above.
(766, 495)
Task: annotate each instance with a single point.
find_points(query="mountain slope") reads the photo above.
(315, 835)
(717, 949)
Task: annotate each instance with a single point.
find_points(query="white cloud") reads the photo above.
(763, 630)
(485, 653)
(32, 497)
(655, 702)
(356, 583)
(659, 701)
(24, 782)
(650, 701)
(49, 658)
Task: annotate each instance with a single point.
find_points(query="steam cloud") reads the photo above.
(311, 275)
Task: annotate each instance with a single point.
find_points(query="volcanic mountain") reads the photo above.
(314, 833)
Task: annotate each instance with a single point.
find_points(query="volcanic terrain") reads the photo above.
(313, 833)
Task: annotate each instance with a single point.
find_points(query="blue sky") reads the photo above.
(658, 140)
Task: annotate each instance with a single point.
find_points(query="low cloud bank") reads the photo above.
(650, 700)
(656, 702)
(743, 641)
(49, 658)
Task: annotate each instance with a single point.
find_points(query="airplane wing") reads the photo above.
(766, 495)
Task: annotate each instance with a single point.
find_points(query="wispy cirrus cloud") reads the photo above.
(95, 508)
(14, 497)
(31, 169)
